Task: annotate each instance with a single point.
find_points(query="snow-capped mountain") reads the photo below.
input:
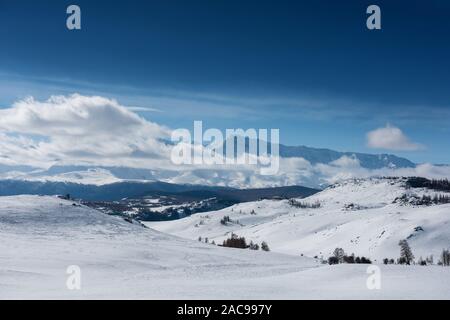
(44, 239)
(364, 216)
(299, 165)
(325, 156)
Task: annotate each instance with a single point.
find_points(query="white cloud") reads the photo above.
(391, 138)
(78, 128)
(346, 162)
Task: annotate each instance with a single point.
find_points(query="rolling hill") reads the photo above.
(365, 216)
(43, 239)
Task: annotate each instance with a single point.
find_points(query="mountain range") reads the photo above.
(299, 165)
(368, 161)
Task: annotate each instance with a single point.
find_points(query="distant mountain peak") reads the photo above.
(366, 160)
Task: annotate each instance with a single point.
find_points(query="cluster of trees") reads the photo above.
(304, 205)
(227, 220)
(440, 185)
(437, 199)
(427, 261)
(235, 242)
(240, 242)
(445, 258)
(253, 246)
(339, 256)
(407, 257)
(424, 200)
(353, 206)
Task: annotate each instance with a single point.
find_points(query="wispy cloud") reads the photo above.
(175, 103)
(143, 109)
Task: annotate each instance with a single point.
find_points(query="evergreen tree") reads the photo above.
(365, 260)
(405, 252)
(333, 260)
(350, 258)
(265, 246)
(445, 257)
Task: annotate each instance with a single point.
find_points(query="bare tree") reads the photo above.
(339, 253)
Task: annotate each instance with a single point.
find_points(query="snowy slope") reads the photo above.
(357, 215)
(41, 236)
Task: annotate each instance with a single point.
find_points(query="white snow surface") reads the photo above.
(371, 227)
(41, 236)
(95, 176)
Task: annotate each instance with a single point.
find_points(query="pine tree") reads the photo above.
(265, 246)
(405, 252)
(445, 257)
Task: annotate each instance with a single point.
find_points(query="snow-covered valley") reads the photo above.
(367, 217)
(41, 236)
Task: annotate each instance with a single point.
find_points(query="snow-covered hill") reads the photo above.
(40, 237)
(366, 217)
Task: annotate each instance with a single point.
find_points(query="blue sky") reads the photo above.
(310, 68)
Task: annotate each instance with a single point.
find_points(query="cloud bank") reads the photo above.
(77, 129)
(391, 138)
